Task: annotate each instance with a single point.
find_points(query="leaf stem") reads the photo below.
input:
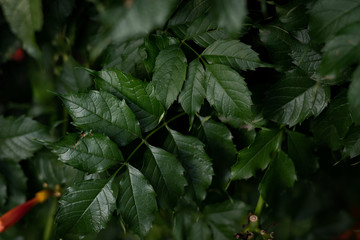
(50, 222)
(259, 206)
(197, 54)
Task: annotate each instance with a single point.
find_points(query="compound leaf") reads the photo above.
(169, 74)
(90, 153)
(17, 137)
(233, 53)
(256, 156)
(86, 207)
(165, 174)
(190, 151)
(103, 113)
(137, 201)
(138, 95)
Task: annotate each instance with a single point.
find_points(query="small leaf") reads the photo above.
(228, 93)
(327, 17)
(17, 137)
(295, 98)
(137, 201)
(193, 94)
(353, 96)
(138, 95)
(333, 124)
(25, 18)
(165, 174)
(232, 14)
(352, 143)
(257, 156)
(90, 153)
(279, 176)
(342, 51)
(234, 54)
(169, 74)
(301, 151)
(103, 113)
(190, 151)
(86, 207)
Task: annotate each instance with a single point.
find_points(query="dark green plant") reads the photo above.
(169, 119)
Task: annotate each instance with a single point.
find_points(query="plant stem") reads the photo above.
(50, 222)
(259, 206)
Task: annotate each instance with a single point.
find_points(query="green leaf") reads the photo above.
(221, 149)
(138, 95)
(306, 59)
(291, 15)
(193, 94)
(352, 143)
(353, 96)
(256, 156)
(73, 79)
(333, 124)
(103, 113)
(17, 137)
(86, 207)
(233, 53)
(199, 230)
(169, 74)
(137, 201)
(189, 11)
(301, 151)
(153, 44)
(52, 172)
(295, 98)
(341, 51)
(166, 175)
(232, 14)
(190, 151)
(228, 93)
(25, 18)
(88, 152)
(279, 176)
(327, 17)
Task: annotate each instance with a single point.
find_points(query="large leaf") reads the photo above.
(295, 98)
(86, 207)
(341, 51)
(228, 93)
(333, 124)
(234, 54)
(192, 96)
(17, 137)
(256, 156)
(220, 147)
(232, 14)
(169, 74)
(279, 176)
(88, 152)
(353, 96)
(137, 201)
(25, 18)
(165, 174)
(301, 151)
(103, 113)
(190, 151)
(327, 17)
(138, 95)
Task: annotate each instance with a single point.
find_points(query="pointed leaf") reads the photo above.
(353, 96)
(165, 174)
(228, 93)
(233, 53)
(295, 98)
(327, 17)
(169, 74)
(333, 124)
(138, 95)
(17, 137)
(192, 96)
(88, 152)
(279, 176)
(306, 59)
(86, 207)
(103, 113)
(137, 201)
(190, 151)
(257, 156)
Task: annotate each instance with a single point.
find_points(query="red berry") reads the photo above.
(19, 55)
